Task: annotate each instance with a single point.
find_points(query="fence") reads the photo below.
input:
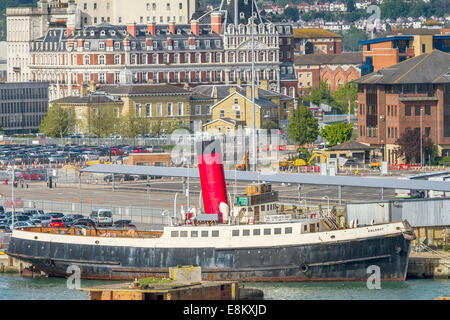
(140, 215)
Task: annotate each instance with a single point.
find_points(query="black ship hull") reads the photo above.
(337, 261)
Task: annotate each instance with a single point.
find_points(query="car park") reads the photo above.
(45, 219)
(84, 222)
(103, 217)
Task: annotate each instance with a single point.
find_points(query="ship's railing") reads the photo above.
(277, 218)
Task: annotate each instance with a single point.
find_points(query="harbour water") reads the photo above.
(13, 287)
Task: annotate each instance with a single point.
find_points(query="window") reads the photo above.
(194, 234)
(180, 108)
(222, 113)
(407, 110)
(87, 59)
(215, 233)
(235, 233)
(277, 231)
(101, 77)
(101, 59)
(256, 232)
(183, 234)
(80, 113)
(305, 228)
(238, 114)
(427, 131)
(101, 45)
(159, 109)
(138, 110)
(174, 234)
(117, 112)
(417, 110)
(288, 230)
(117, 77)
(198, 109)
(267, 231)
(148, 110)
(204, 233)
(428, 110)
(246, 232)
(169, 108)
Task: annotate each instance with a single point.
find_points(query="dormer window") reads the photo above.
(179, 31)
(101, 46)
(113, 33)
(92, 33)
(87, 45)
(102, 33)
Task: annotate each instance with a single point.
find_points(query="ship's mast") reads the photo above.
(255, 158)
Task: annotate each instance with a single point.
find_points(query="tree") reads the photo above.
(344, 94)
(351, 38)
(337, 133)
(58, 122)
(269, 125)
(409, 146)
(291, 13)
(321, 94)
(101, 121)
(303, 127)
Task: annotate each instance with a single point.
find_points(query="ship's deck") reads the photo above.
(112, 233)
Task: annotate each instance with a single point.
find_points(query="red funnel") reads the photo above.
(212, 176)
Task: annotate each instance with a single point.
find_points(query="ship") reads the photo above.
(247, 241)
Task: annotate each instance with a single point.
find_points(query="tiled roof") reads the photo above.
(314, 33)
(85, 100)
(351, 145)
(319, 59)
(431, 67)
(142, 89)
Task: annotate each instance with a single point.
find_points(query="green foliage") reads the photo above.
(344, 94)
(58, 122)
(351, 37)
(303, 127)
(322, 94)
(291, 14)
(337, 133)
(269, 125)
(102, 123)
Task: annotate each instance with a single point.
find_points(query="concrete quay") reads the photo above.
(424, 265)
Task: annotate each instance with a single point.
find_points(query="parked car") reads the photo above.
(55, 214)
(118, 177)
(32, 212)
(45, 219)
(74, 216)
(103, 217)
(36, 222)
(4, 228)
(2, 210)
(84, 222)
(22, 224)
(56, 223)
(124, 224)
(67, 221)
(32, 175)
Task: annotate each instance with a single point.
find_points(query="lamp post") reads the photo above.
(328, 203)
(421, 138)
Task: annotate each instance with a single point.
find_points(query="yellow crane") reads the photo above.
(244, 165)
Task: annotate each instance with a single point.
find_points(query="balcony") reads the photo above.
(426, 96)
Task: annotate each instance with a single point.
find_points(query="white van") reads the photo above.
(436, 193)
(103, 217)
(407, 193)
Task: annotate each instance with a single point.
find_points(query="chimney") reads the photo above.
(151, 27)
(215, 93)
(83, 90)
(131, 29)
(239, 82)
(92, 86)
(248, 92)
(216, 22)
(264, 84)
(172, 27)
(195, 27)
(70, 30)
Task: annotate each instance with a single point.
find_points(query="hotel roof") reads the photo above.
(314, 33)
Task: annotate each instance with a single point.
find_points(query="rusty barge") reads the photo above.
(240, 243)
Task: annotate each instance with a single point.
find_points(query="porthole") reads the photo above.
(332, 237)
(35, 237)
(97, 242)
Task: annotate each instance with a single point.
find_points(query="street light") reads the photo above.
(421, 138)
(328, 203)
